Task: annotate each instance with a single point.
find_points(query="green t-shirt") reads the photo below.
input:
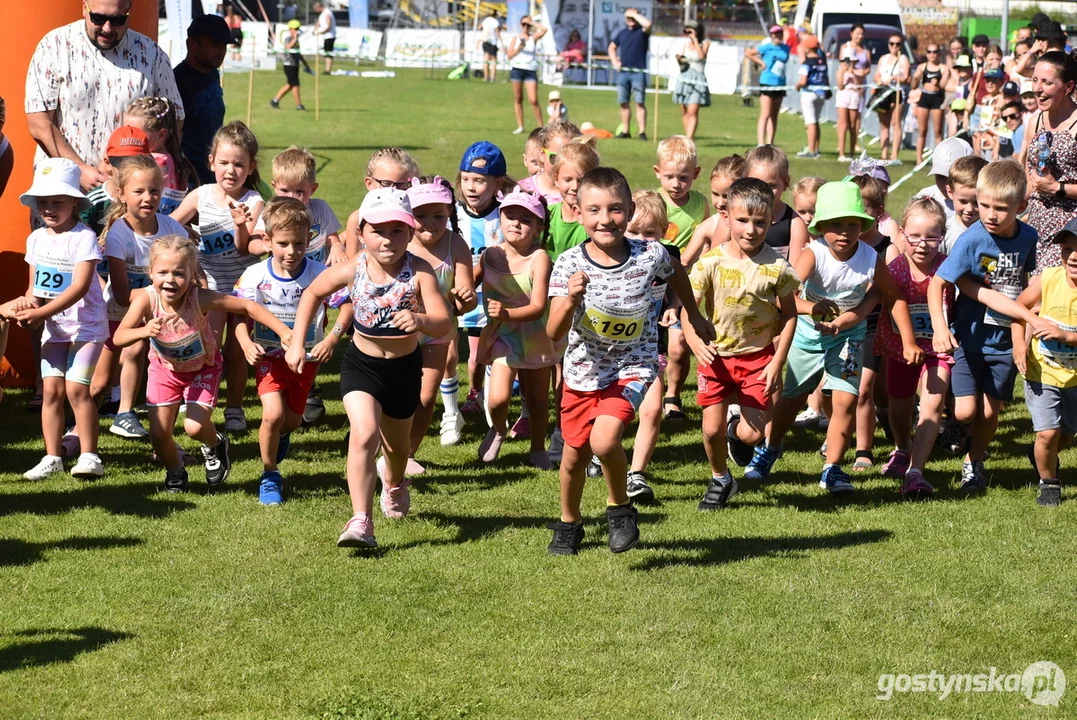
(683, 220)
(563, 235)
(100, 202)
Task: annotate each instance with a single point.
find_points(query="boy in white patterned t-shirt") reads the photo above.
(601, 299)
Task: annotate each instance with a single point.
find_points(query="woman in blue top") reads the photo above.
(772, 55)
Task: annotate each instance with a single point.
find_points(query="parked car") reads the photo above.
(875, 40)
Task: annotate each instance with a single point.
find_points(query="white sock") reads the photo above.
(450, 388)
(524, 414)
(53, 458)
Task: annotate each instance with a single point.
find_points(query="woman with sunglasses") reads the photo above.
(524, 70)
(692, 91)
(928, 83)
(861, 68)
(892, 73)
(772, 56)
(1050, 149)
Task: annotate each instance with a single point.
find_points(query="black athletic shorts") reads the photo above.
(489, 49)
(291, 74)
(393, 382)
(329, 44)
(930, 101)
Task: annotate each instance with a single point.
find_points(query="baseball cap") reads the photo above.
(212, 26)
(946, 152)
(1069, 229)
(775, 29)
(484, 158)
(433, 193)
(382, 205)
(294, 24)
(55, 176)
(1051, 32)
(809, 42)
(980, 40)
(1011, 89)
(126, 141)
(963, 61)
(532, 202)
(995, 74)
(1026, 87)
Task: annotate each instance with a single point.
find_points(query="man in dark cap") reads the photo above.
(199, 85)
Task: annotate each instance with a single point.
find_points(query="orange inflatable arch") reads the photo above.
(34, 20)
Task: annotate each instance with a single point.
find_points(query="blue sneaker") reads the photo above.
(283, 445)
(269, 490)
(763, 460)
(835, 481)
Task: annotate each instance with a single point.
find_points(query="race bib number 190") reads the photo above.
(617, 325)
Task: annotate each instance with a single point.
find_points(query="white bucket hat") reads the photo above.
(55, 176)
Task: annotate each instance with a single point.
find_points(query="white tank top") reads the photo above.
(217, 253)
(844, 283)
(525, 59)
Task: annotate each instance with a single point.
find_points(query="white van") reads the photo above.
(824, 13)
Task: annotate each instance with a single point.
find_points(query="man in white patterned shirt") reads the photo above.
(83, 76)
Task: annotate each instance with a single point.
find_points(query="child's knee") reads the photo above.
(193, 428)
(273, 418)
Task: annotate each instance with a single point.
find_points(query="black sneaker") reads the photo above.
(217, 463)
(638, 489)
(566, 538)
(973, 479)
(740, 452)
(623, 136)
(718, 495)
(624, 530)
(1050, 494)
(315, 408)
(643, 136)
(176, 480)
(275, 104)
(594, 468)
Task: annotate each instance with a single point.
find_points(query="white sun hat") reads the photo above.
(55, 176)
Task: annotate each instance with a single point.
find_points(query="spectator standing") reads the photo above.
(524, 70)
(693, 92)
(326, 28)
(235, 26)
(771, 56)
(81, 79)
(490, 39)
(628, 55)
(199, 84)
(291, 11)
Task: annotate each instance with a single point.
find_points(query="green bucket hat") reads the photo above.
(839, 200)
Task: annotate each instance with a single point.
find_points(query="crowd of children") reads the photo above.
(566, 283)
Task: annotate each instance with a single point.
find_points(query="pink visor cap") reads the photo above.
(382, 205)
(434, 193)
(531, 202)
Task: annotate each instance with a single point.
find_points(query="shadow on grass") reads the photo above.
(18, 552)
(133, 499)
(34, 648)
(719, 551)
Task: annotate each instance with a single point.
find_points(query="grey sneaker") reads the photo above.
(127, 425)
(639, 491)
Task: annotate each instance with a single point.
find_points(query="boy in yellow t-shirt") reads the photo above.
(748, 290)
(1050, 367)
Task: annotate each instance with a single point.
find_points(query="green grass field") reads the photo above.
(120, 600)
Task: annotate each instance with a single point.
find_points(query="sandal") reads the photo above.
(864, 461)
(674, 413)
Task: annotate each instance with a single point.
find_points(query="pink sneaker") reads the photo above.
(521, 428)
(490, 447)
(540, 460)
(413, 468)
(473, 404)
(897, 464)
(915, 487)
(358, 533)
(396, 501)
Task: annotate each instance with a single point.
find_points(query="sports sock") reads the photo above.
(450, 388)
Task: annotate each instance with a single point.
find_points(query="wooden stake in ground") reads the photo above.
(655, 108)
(250, 85)
(317, 82)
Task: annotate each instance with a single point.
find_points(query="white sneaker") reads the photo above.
(731, 411)
(518, 131)
(88, 467)
(234, 421)
(807, 418)
(451, 427)
(48, 466)
(557, 447)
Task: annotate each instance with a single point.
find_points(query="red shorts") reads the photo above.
(272, 374)
(579, 409)
(740, 374)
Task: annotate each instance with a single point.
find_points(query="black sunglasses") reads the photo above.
(894, 44)
(101, 19)
(932, 52)
(1011, 117)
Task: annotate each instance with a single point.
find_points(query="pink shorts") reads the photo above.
(165, 386)
(113, 325)
(902, 380)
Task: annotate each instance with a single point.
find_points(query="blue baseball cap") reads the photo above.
(995, 74)
(484, 158)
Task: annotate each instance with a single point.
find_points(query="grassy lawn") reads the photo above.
(123, 601)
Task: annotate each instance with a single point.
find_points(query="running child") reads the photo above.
(804, 195)
(601, 299)
(575, 160)
(1050, 369)
(686, 208)
(842, 280)
(125, 142)
(396, 297)
(438, 242)
(227, 213)
(289, 57)
(515, 276)
(65, 296)
(387, 168)
(277, 285)
(749, 290)
(156, 116)
(532, 157)
(555, 135)
(1000, 251)
(725, 172)
(131, 226)
(185, 363)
